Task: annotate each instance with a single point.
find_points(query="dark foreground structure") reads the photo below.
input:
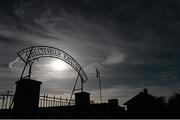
(143, 105)
(26, 100)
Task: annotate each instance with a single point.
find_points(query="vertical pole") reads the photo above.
(41, 101)
(81, 85)
(66, 102)
(10, 100)
(52, 103)
(7, 96)
(60, 101)
(26, 63)
(81, 80)
(54, 100)
(44, 100)
(23, 71)
(100, 88)
(30, 68)
(39, 105)
(2, 101)
(75, 86)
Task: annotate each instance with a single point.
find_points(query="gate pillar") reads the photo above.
(26, 99)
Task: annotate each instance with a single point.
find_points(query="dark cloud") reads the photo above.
(134, 43)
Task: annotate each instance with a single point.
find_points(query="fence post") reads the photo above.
(40, 101)
(47, 100)
(10, 101)
(44, 100)
(2, 101)
(45, 104)
(6, 102)
(50, 102)
(60, 101)
(66, 101)
(54, 100)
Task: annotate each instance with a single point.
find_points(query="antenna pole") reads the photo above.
(100, 88)
(99, 78)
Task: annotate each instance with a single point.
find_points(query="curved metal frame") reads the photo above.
(29, 56)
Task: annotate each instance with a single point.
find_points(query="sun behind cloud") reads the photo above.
(59, 65)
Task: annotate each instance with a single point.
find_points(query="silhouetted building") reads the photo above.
(140, 102)
(144, 105)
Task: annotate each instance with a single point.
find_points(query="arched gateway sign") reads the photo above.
(29, 55)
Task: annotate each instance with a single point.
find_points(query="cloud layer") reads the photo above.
(134, 43)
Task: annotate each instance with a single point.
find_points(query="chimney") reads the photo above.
(145, 91)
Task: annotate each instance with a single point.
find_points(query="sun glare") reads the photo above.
(59, 65)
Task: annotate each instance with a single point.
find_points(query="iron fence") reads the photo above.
(6, 101)
(52, 101)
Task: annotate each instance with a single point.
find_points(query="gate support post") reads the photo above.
(26, 99)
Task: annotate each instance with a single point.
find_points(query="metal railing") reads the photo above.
(6, 101)
(52, 101)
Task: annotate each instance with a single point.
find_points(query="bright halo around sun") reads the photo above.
(59, 65)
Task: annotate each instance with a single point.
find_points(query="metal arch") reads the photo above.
(30, 54)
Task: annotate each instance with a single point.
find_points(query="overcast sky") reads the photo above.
(134, 43)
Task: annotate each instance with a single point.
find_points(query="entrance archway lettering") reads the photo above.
(31, 54)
